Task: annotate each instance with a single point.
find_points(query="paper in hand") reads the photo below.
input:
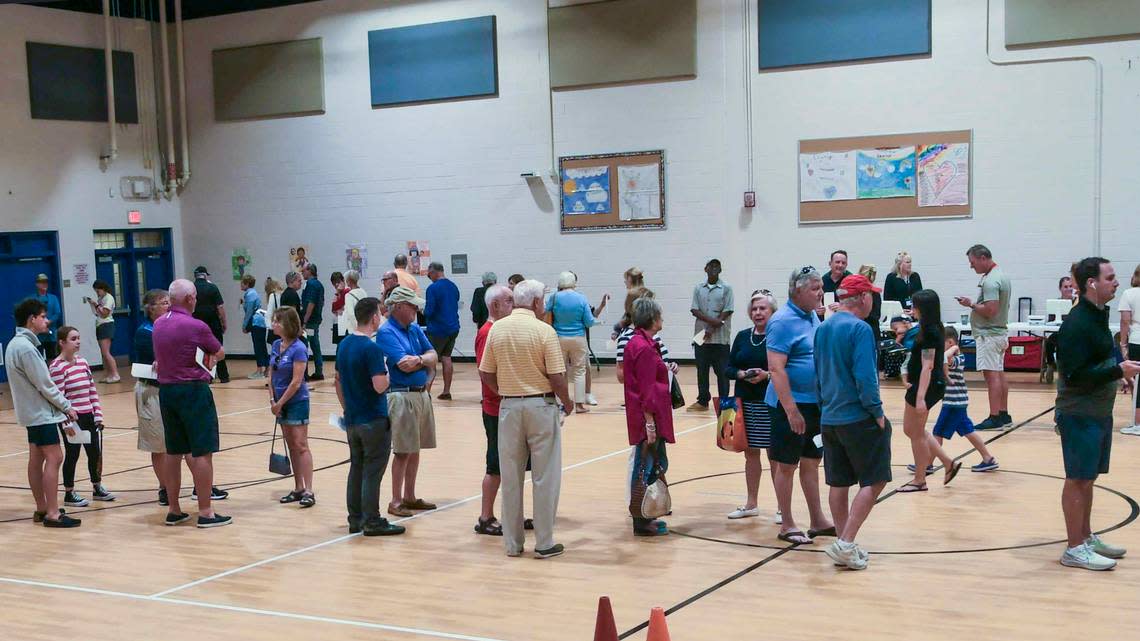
(81, 437)
(337, 422)
(200, 358)
(699, 339)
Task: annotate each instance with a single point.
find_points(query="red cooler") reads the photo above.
(1024, 353)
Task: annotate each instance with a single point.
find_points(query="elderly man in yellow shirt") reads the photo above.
(523, 363)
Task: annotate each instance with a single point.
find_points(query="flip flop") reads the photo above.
(827, 531)
(951, 473)
(795, 537)
(914, 488)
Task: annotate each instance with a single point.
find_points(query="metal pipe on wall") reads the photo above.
(171, 183)
(184, 140)
(109, 68)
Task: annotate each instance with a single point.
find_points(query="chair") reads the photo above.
(890, 309)
(1056, 309)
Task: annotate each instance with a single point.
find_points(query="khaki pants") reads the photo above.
(530, 427)
(577, 354)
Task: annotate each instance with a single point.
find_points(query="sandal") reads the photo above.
(951, 473)
(914, 487)
(795, 537)
(308, 499)
(398, 510)
(490, 527)
(292, 497)
(528, 524)
(827, 531)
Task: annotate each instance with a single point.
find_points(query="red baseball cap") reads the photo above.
(855, 285)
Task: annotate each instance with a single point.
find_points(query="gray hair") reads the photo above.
(979, 251)
(567, 280)
(801, 278)
(527, 292)
(352, 276)
(181, 289)
(495, 291)
(291, 276)
(489, 278)
(436, 267)
(644, 311)
(767, 297)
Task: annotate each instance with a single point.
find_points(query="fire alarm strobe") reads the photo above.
(749, 199)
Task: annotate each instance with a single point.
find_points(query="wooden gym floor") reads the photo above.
(976, 559)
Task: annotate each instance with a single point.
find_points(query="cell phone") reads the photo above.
(87, 299)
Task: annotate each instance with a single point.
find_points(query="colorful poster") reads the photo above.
(298, 258)
(356, 258)
(639, 188)
(829, 175)
(80, 274)
(944, 174)
(419, 257)
(241, 262)
(586, 190)
(885, 173)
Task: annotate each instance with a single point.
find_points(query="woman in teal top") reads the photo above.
(570, 316)
(253, 323)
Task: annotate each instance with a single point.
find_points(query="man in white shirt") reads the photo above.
(1130, 339)
(347, 322)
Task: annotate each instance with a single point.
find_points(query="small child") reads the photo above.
(953, 419)
(72, 375)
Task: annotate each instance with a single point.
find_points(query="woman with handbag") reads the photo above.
(289, 401)
(649, 418)
(748, 366)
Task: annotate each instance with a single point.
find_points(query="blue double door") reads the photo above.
(140, 261)
(23, 256)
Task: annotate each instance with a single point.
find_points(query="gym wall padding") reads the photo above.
(269, 80)
(810, 32)
(431, 62)
(622, 41)
(1037, 22)
(70, 83)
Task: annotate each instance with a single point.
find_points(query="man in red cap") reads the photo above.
(856, 435)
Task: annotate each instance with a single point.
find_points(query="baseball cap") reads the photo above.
(201, 270)
(404, 295)
(42, 278)
(855, 285)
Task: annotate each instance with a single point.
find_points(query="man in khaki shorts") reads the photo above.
(989, 316)
(411, 361)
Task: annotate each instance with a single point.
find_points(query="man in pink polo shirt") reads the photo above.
(189, 417)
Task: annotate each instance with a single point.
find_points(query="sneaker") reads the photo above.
(382, 527)
(175, 519)
(217, 520)
(985, 466)
(849, 555)
(991, 423)
(72, 499)
(215, 494)
(912, 467)
(742, 513)
(256, 376)
(100, 493)
(162, 498)
(590, 400)
(698, 407)
(779, 518)
(1131, 430)
(112, 380)
(1105, 549)
(1004, 419)
(64, 521)
(1084, 557)
(315, 377)
(549, 552)
(514, 553)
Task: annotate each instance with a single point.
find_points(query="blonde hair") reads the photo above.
(290, 322)
(635, 276)
(899, 260)
(272, 286)
(869, 271)
(249, 281)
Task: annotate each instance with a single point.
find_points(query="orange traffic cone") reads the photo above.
(605, 629)
(658, 630)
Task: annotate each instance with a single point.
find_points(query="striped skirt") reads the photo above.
(757, 423)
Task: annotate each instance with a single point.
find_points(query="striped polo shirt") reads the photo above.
(623, 340)
(956, 394)
(521, 351)
(78, 385)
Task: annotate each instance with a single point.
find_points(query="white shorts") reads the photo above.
(991, 353)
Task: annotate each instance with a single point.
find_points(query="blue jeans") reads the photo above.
(315, 345)
(260, 349)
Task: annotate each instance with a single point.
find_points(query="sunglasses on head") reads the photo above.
(765, 292)
(807, 269)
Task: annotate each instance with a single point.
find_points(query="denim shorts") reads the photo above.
(295, 413)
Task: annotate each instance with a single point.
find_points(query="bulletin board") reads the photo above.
(606, 192)
(862, 209)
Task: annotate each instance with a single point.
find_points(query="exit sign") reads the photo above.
(134, 217)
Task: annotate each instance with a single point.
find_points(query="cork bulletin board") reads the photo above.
(606, 192)
(879, 208)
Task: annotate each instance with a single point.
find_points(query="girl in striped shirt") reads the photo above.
(72, 375)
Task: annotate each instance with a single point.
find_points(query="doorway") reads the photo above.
(23, 256)
(132, 261)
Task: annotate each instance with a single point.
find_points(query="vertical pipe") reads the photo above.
(184, 140)
(108, 63)
(171, 184)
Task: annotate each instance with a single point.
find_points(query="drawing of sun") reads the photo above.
(570, 186)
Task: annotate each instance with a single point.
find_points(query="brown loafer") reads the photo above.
(399, 510)
(418, 504)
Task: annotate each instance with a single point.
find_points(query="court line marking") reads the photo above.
(315, 546)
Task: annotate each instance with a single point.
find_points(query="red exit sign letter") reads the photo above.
(134, 217)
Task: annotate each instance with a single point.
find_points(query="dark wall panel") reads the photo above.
(438, 61)
(69, 83)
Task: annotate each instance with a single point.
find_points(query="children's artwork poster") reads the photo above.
(827, 176)
(639, 187)
(586, 190)
(419, 257)
(943, 174)
(241, 262)
(80, 273)
(885, 173)
(356, 258)
(298, 257)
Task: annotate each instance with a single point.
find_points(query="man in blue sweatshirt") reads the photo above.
(856, 435)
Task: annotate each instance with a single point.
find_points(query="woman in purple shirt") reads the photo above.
(289, 401)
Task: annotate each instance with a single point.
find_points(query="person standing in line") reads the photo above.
(1086, 394)
(793, 401)
(571, 316)
(152, 435)
(272, 302)
(712, 308)
(1129, 311)
(55, 317)
(442, 312)
(404, 278)
(523, 363)
(289, 402)
(72, 375)
(103, 307)
(361, 383)
(410, 360)
(836, 272)
(189, 416)
(291, 297)
(479, 311)
(748, 366)
(340, 290)
(870, 273)
(856, 434)
(627, 333)
(515, 279)
(989, 318)
(312, 302)
(354, 293)
(253, 323)
(42, 409)
(211, 310)
(903, 281)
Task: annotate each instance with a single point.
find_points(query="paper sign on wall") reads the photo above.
(885, 173)
(419, 257)
(240, 262)
(80, 273)
(825, 176)
(943, 174)
(356, 258)
(298, 257)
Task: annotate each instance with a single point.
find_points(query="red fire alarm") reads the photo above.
(749, 199)
(134, 217)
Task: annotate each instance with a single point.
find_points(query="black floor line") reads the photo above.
(777, 554)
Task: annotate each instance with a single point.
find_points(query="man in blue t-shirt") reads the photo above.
(361, 380)
(54, 316)
(411, 360)
(312, 301)
(442, 312)
(795, 404)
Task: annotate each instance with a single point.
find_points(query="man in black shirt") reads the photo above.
(837, 271)
(1086, 393)
(291, 297)
(479, 312)
(211, 311)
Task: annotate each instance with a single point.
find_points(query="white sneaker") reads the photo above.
(1084, 557)
(1096, 544)
(850, 555)
(590, 400)
(779, 518)
(1131, 430)
(742, 513)
(255, 376)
